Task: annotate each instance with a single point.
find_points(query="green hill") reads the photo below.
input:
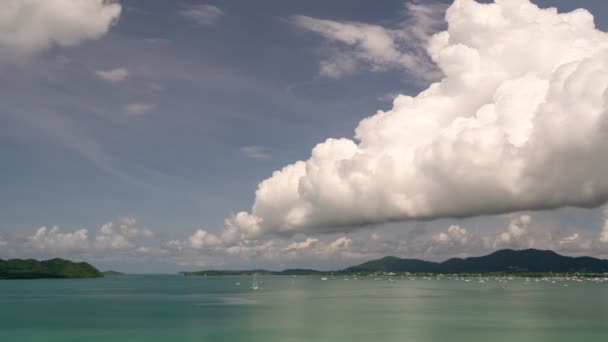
(53, 268)
(394, 264)
(295, 271)
(503, 261)
(506, 260)
(299, 271)
(227, 272)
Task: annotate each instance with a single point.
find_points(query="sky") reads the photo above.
(159, 136)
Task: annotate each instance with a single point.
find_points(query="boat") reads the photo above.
(255, 285)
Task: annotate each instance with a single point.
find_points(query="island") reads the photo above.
(291, 272)
(53, 268)
(525, 263)
(111, 273)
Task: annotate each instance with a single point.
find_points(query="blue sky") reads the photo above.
(244, 81)
(175, 114)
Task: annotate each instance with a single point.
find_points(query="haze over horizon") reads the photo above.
(155, 136)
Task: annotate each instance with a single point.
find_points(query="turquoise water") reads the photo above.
(177, 308)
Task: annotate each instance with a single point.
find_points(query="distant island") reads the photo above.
(295, 271)
(110, 273)
(502, 261)
(527, 262)
(53, 268)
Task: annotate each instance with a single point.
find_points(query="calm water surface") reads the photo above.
(177, 308)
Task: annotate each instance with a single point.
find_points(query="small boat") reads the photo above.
(255, 285)
(323, 278)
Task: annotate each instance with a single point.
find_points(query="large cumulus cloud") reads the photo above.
(518, 122)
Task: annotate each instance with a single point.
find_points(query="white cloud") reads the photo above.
(338, 66)
(113, 75)
(203, 239)
(143, 250)
(202, 14)
(518, 232)
(28, 27)
(128, 227)
(255, 152)
(175, 244)
(309, 242)
(109, 239)
(436, 243)
(455, 233)
(3, 243)
(570, 239)
(240, 226)
(53, 241)
(375, 236)
(138, 108)
(498, 134)
(199, 240)
(341, 242)
(513, 237)
(377, 47)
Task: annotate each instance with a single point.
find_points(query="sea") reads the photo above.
(292, 309)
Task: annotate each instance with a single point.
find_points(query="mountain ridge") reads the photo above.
(500, 261)
(505, 260)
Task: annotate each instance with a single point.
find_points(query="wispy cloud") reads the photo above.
(202, 14)
(255, 152)
(157, 40)
(357, 45)
(113, 75)
(138, 108)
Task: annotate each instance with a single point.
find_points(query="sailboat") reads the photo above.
(255, 285)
